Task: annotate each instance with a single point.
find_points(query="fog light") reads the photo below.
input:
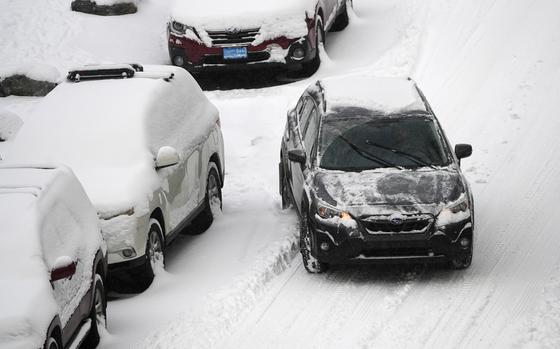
(298, 54)
(464, 242)
(128, 252)
(324, 246)
(178, 61)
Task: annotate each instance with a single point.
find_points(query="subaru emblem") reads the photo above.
(396, 221)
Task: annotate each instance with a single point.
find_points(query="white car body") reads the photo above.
(110, 132)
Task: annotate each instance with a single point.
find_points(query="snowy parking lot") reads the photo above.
(490, 70)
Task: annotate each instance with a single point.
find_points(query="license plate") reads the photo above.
(235, 52)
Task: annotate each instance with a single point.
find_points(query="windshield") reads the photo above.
(360, 143)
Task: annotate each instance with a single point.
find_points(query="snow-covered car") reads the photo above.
(53, 260)
(206, 34)
(366, 164)
(147, 146)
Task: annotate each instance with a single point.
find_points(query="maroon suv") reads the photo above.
(205, 34)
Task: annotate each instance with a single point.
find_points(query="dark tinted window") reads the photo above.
(367, 142)
(310, 134)
(306, 112)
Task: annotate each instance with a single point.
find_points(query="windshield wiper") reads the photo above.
(367, 155)
(403, 154)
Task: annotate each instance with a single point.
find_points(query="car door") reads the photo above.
(181, 187)
(298, 171)
(60, 238)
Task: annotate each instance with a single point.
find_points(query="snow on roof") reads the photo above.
(108, 131)
(384, 94)
(274, 17)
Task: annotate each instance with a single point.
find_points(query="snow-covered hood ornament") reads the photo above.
(389, 189)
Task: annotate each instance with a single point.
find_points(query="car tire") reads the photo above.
(286, 202)
(311, 264)
(342, 20)
(154, 258)
(212, 202)
(98, 314)
(52, 343)
(309, 68)
(461, 260)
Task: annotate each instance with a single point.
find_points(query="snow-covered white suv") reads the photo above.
(53, 260)
(147, 146)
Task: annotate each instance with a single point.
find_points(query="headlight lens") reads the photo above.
(459, 207)
(180, 28)
(327, 212)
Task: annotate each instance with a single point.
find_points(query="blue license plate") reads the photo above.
(235, 52)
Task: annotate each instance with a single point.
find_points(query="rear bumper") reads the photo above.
(196, 56)
(356, 246)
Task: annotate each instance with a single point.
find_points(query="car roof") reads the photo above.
(385, 95)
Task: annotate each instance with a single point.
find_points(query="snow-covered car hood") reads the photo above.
(287, 16)
(389, 188)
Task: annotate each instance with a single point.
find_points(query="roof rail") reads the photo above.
(99, 72)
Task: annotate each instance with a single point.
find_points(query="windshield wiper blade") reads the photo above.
(404, 154)
(367, 155)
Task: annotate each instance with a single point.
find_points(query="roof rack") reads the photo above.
(99, 72)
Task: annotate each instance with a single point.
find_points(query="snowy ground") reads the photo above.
(490, 70)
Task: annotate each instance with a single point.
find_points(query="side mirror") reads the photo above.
(463, 151)
(297, 155)
(64, 268)
(166, 156)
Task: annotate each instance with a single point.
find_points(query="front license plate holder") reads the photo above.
(235, 53)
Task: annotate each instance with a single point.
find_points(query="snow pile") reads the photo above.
(10, 123)
(387, 95)
(35, 71)
(224, 308)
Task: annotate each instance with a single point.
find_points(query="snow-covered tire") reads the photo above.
(461, 260)
(154, 257)
(286, 202)
(309, 68)
(341, 21)
(212, 202)
(98, 314)
(311, 264)
(52, 343)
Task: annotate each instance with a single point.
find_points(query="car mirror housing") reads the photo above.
(297, 155)
(166, 156)
(64, 268)
(463, 151)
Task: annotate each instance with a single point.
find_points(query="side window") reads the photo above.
(310, 134)
(304, 116)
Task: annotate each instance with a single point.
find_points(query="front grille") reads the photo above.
(223, 38)
(251, 57)
(397, 252)
(411, 224)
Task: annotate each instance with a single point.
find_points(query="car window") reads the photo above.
(310, 134)
(304, 116)
(366, 142)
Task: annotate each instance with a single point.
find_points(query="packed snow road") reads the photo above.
(490, 70)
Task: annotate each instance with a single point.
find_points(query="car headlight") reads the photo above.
(456, 208)
(327, 212)
(180, 28)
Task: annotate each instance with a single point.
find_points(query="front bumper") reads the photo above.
(357, 245)
(195, 56)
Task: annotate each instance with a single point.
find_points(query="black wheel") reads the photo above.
(462, 260)
(286, 202)
(311, 264)
(98, 314)
(342, 20)
(52, 343)
(309, 68)
(212, 205)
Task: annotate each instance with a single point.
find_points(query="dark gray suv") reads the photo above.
(366, 164)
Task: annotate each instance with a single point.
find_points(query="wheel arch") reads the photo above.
(215, 158)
